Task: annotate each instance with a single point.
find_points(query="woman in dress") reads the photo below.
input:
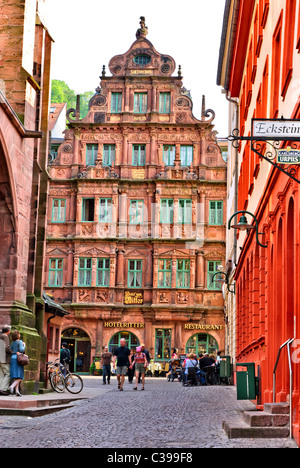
(16, 371)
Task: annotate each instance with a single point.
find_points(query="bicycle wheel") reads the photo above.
(74, 383)
(57, 382)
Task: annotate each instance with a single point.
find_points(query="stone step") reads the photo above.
(241, 430)
(277, 408)
(33, 412)
(265, 419)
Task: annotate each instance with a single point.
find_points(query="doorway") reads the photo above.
(79, 345)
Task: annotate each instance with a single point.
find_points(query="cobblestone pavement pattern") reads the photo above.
(166, 415)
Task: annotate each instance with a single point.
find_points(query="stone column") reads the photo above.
(120, 268)
(70, 266)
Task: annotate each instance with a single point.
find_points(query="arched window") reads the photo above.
(202, 343)
(131, 341)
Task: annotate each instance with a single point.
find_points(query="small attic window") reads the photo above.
(52, 110)
(142, 59)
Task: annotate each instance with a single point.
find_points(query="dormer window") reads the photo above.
(142, 59)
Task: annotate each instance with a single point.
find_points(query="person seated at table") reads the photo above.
(190, 362)
(204, 361)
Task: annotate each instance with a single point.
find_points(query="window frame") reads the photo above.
(56, 271)
(85, 270)
(168, 211)
(138, 106)
(183, 271)
(165, 103)
(167, 155)
(163, 340)
(108, 210)
(184, 155)
(137, 202)
(165, 272)
(59, 209)
(213, 286)
(83, 210)
(111, 155)
(139, 155)
(117, 108)
(94, 154)
(135, 272)
(102, 271)
(184, 216)
(216, 214)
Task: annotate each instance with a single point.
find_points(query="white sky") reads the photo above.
(88, 33)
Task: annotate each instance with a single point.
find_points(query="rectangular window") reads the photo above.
(85, 272)
(103, 272)
(138, 155)
(88, 209)
(109, 154)
(164, 273)
(164, 103)
(183, 273)
(184, 211)
(169, 155)
(135, 273)
(212, 269)
(167, 211)
(91, 154)
(140, 103)
(105, 210)
(59, 211)
(186, 155)
(162, 344)
(216, 213)
(56, 271)
(116, 103)
(136, 211)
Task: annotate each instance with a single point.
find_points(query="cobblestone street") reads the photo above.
(166, 415)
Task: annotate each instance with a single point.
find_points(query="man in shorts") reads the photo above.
(121, 354)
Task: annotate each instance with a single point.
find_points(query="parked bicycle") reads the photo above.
(61, 378)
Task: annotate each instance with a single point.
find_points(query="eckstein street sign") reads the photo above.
(281, 129)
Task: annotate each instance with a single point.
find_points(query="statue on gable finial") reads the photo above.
(143, 31)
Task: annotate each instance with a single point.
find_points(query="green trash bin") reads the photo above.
(225, 367)
(246, 382)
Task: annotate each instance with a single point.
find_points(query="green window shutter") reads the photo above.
(212, 268)
(185, 211)
(163, 344)
(85, 272)
(59, 211)
(216, 213)
(169, 153)
(186, 155)
(116, 103)
(103, 272)
(135, 273)
(56, 271)
(138, 155)
(105, 210)
(164, 273)
(136, 211)
(183, 274)
(166, 211)
(140, 103)
(109, 154)
(91, 154)
(165, 103)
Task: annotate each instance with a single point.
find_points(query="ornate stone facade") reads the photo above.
(133, 207)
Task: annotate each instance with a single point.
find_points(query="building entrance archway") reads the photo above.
(80, 347)
(131, 340)
(202, 343)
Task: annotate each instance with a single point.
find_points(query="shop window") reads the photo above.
(88, 209)
(91, 154)
(59, 210)
(167, 211)
(131, 341)
(140, 103)
(162, 344)
(85, 272)
(183, 274)
(165, 103)
(135, 273)
(138, 155)
(56, 272)
(216, 213)
(109, 154)
(169, 153)
(185, 212)
(202, 344)
(105, 210)
(136, 211)
(164, 273)
(212, 269)
(186, 155)
(116, 103)
(103, 272)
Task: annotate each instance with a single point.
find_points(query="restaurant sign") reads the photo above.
(134, 298)
(198, 326)
(288, 156)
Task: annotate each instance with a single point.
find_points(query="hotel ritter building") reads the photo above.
(136, 216)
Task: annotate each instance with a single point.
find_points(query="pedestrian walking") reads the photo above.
(105, 362)
(147, 354)
(5, 356)
(140, 362)
(121, 354)
(16, 371)
(131, 368)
